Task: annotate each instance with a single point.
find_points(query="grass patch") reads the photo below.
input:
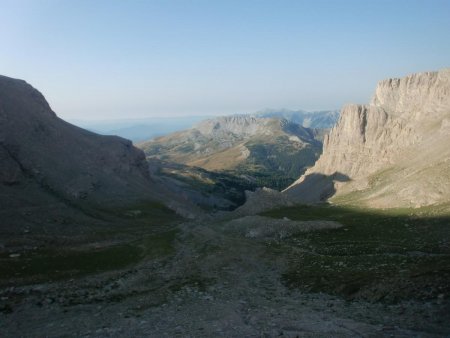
(149, 213)
(56, 265)
(378, 254)
(50, 265)
(159, 245)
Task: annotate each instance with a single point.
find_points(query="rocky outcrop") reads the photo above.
(61, 159)
(394, 151)
(417, 93)
(260, 200)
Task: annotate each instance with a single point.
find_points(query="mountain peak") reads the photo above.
(19, 96)
(395, 150)
(36, 146)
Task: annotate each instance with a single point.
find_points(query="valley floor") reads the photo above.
(363, 274)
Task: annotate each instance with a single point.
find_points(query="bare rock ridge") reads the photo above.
(240, 125)
(324, 119)
(39, 151)
(394, 152)
(244, 126)
(269, 152)
(194, 146)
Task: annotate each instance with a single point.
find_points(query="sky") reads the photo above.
(119, 59)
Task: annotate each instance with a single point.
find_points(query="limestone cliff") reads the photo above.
(393, 152)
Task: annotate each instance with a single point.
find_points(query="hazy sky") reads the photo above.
(116, 59)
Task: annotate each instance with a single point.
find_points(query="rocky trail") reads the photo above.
(214, 281)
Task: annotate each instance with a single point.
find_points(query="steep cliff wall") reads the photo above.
(394, 151)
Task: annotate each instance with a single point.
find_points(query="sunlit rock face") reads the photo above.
(395, 151)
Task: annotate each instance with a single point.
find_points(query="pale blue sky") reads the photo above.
(118, 59)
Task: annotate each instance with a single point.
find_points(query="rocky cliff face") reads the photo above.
(39, 149)
(394, 151)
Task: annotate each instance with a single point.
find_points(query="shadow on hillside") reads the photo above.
(378, 255)
(316, 187)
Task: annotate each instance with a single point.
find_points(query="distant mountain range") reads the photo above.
(138, 130)
(268, 151)
(324, 119)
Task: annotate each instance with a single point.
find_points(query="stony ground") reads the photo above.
(212, 280)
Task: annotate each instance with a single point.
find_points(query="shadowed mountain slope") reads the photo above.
(38, 148)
